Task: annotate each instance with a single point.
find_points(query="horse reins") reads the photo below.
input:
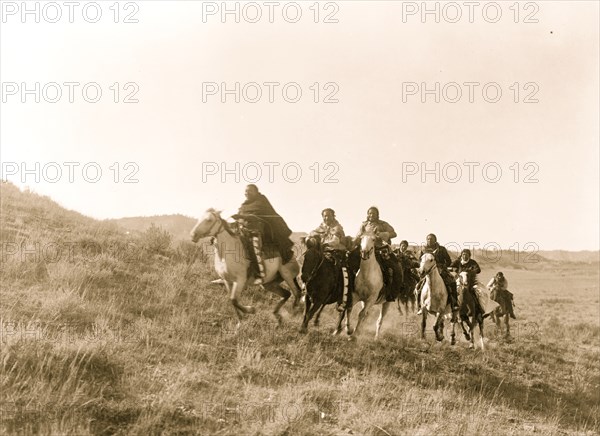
(313, 273)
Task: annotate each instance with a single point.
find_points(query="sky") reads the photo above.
(482, 127)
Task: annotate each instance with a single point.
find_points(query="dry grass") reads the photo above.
(143, 344)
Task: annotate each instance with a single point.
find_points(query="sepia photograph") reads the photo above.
(350, 217)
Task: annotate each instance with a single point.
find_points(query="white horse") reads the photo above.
(368, 285)
(433, 297)
(231, 264)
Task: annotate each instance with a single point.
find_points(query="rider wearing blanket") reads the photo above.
(466, 264)
(332, 236)
(383, 251)
(264, 225)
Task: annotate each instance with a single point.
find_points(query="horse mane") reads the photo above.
(470, 282)
(313, 242)
(430, 254)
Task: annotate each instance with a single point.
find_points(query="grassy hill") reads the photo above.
(178, 226)
(109, 333)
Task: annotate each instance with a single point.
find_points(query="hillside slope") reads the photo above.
(124, 334)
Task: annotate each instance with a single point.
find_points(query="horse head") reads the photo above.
(367, 245)
(427, 264)
(312, 260)
(312, 242)
(465, 279)
(210, 224)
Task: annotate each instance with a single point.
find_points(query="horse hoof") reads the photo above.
(335, 332)
(349, 332)
(471, 346)
(453, 341)
(251, 310)
(302, 330)
(467, 336)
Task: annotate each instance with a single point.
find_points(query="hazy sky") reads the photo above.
(371, 144)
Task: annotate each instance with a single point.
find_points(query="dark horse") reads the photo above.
(470, 311)
(324, 280)
(411, 279)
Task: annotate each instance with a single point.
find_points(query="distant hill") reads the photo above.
(177, 225)
(25, 214)
(572, 256)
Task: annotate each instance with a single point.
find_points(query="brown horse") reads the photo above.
(504, 309)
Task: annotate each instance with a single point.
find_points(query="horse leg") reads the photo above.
(338, 329)
(438, 328)
(306, 320)
(471, 324)
(349, 330)
(318, 315)
(496, 319)
(453, 335)
(384, 308)
(361, 316)
(423, 323)
(296, 291)
(290, 277)
(284, 294)
(506, 322)
(481, 333)
(465, 332)
(310, 313)
(239, 308)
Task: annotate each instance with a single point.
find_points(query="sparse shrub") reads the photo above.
(156, 240)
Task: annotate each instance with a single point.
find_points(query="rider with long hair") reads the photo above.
(388, 260)
(332, 237)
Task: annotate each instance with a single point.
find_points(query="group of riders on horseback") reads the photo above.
(260, 224)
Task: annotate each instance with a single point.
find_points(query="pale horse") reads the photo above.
(368, 286)
(433, 298)
(231, 264)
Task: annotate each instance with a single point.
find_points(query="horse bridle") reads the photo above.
(367, 254)
(430, 269)
(313, 273)
(222, 226)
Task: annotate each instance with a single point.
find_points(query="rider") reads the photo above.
(407, 259)
(388, 261)
(332, 236)
(405, 253)
(465, 263)
(262, 222)
(443, 261)
(498, 285)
